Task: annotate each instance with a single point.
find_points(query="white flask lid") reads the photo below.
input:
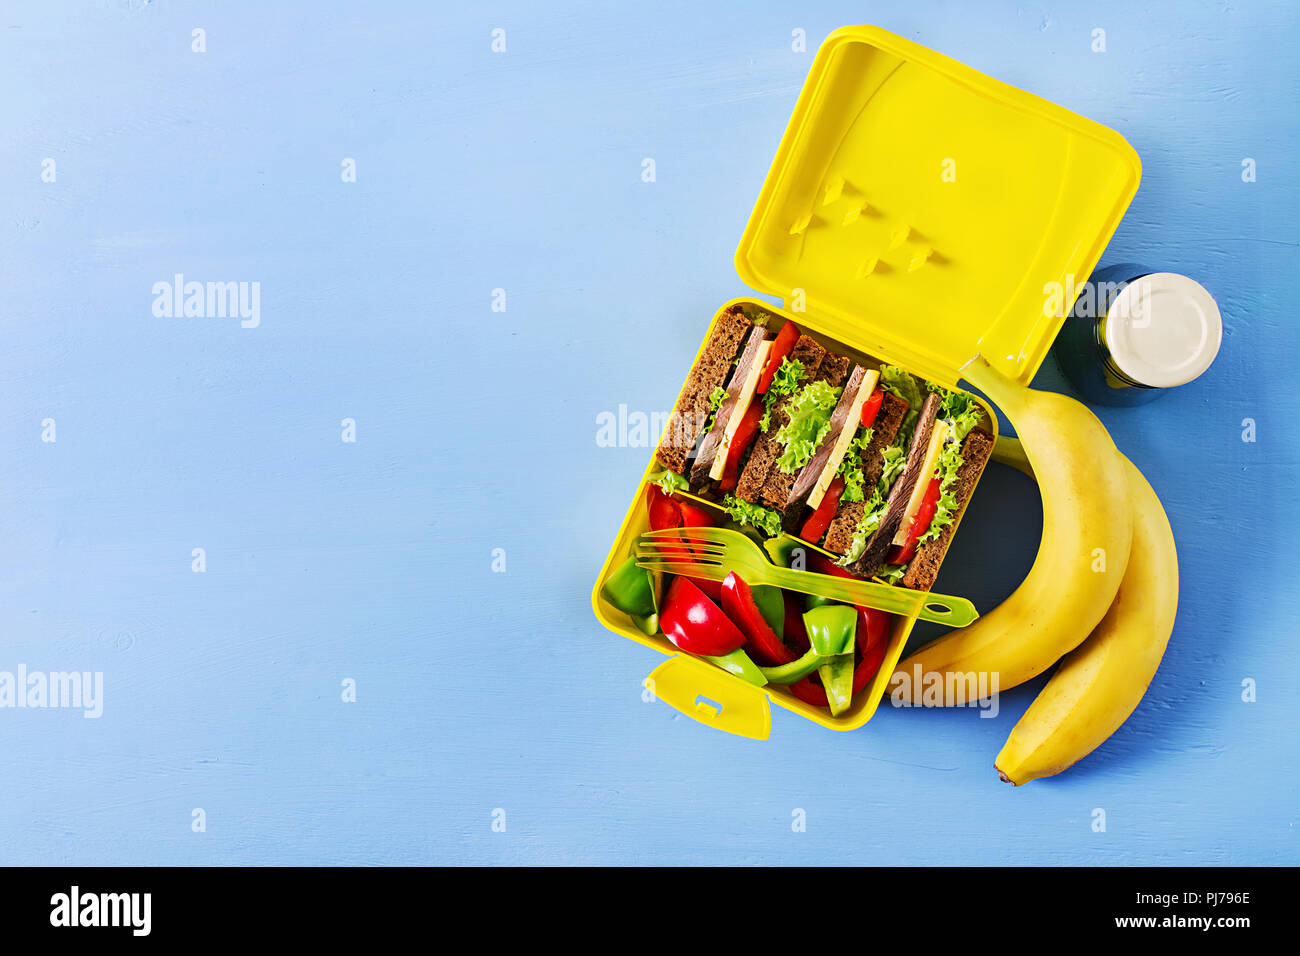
(1163, 329)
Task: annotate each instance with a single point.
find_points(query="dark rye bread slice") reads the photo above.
(709, 372)
(839, 536)
(776, 490)
(792, 513)
(712, 442)
(883, 432)
(767, 449)
(924, 566)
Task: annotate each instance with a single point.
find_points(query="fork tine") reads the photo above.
(712, 572)
(679, 556)
(679, 547)
(696, 533)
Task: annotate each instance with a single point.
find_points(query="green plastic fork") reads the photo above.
(710, 553)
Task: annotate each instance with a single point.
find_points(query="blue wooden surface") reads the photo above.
(476, 430)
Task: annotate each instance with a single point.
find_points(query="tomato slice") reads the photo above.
(871, 407)
(920, 522)
(820, 520)
(743, 438)
(781, 347)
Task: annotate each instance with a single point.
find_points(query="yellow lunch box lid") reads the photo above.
(921, 208)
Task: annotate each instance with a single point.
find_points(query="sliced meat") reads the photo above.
(691, 412)
(924, 566)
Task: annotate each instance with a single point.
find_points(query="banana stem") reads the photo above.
(1009, 451)
(1006, 393)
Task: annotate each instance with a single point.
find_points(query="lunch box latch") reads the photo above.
(710, 695)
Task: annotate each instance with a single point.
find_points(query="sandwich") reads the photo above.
(869, 463)
(693, 412)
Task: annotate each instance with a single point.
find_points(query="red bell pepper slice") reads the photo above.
(664, 510)
(824, 565)
(795, 629)
(871, 407)
(873, 626)
(693, 516)
(781, 347)
(743, 438)
(820, 520)
(696, 624)
(665, 513)
(713, 589)
(761, 642)
(901, 554)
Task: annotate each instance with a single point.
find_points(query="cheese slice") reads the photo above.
(746, 395)
(938, 438)
(844, 440)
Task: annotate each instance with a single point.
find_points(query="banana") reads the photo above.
(1008, 450)
(1087, 533)
(1099, 684)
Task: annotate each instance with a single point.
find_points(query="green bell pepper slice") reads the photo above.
(796, 670)
(780, 549)
(740, 664)
(837, 681)
(831, 628)
(630, 590)
(830, 632)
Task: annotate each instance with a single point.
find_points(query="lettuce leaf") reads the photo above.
(850, 469)
(788, 375)
(949, 461)
(962, 411)
(766, 520)
(960, 408)
(669, 482)
(895, 458)
(716, 398)
(874, 510)
(891, 573)
(810, 420)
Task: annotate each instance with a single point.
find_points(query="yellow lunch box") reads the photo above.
(917, 212)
